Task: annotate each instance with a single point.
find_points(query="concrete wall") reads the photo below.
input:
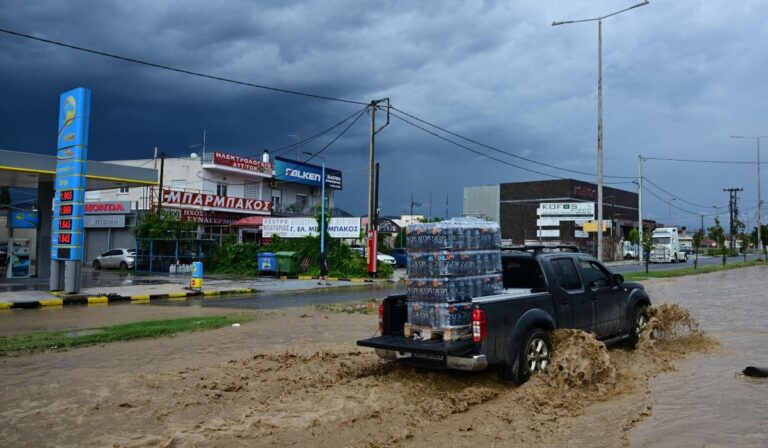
(482, 202)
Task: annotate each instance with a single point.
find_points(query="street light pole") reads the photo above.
(599, 21)
(323, 264)
(759, 198)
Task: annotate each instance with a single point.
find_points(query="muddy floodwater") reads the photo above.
(705, 403)
(295, 378)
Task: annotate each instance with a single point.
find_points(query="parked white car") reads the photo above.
(116, 259)
(383, 258)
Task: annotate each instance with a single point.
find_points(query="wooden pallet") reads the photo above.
(445, 334)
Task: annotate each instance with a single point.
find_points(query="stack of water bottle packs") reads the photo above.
(449, 263)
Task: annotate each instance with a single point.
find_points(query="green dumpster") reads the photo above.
(288, 263)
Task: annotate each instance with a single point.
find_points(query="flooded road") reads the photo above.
(293, 377)
(705, 403)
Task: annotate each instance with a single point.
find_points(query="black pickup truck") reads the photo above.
(543, 290)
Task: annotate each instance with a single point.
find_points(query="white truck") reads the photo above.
(666, 246)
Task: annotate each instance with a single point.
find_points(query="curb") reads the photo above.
(334, 279)
(79, 299)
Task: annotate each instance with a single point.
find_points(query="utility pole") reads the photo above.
(760, 246)
(372, 237)
(732, 213)
(376, 198)
(640, 207)
(446, 206)
(430, 206)
(162, 175)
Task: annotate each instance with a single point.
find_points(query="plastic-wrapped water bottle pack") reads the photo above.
(453, 234)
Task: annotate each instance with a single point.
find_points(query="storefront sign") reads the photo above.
(24, 220)
(104, 221)
(216, 202)
(107, 208)
(567, 211)
(289, 227)
(242, 163)
(547, 233)
(210, 217)
(344, 227)
(387, 226)
(305, 173)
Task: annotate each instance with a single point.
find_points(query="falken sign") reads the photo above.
(305, 173)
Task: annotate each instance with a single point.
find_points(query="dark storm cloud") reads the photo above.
(680, 77)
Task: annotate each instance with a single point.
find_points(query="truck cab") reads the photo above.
(666, 246)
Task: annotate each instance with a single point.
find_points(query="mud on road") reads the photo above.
(337, 394)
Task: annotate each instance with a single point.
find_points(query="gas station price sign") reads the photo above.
(72, 154)
(65, 210)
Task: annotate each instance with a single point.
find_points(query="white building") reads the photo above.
(218, 189)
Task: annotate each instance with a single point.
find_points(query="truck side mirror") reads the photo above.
(618, 279)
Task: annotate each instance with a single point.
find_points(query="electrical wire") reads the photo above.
(178, 70)
(472, 149)
(677, 197)
(736, 162)
(359, 114)
(583, 173)
(289, 147)
(669, 203)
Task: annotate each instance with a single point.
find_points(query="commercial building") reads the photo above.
(219, 189)
(555, 212)
(38, 172)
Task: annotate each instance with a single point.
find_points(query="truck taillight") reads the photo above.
(381, 319)
(479, 325)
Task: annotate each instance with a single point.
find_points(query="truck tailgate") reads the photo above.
(432, 346)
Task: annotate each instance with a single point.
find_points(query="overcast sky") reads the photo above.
(680, 77)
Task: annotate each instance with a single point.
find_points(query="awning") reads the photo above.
(250, 221)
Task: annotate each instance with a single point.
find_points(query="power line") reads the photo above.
(676, 197)
(583, 173)
(291, 146)
(472, 149)
(669, 203)
(736, 162)
(178, 70)
(338, 136)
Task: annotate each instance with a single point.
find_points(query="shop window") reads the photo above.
(252, 191)
(302, 200)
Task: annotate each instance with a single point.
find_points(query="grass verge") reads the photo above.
(670, 273)
(358, 307)
(57, 340)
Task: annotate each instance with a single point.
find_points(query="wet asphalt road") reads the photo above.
(296, 298)
(703, 261)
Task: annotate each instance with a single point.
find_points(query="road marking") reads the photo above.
(99, 299)
(51, 302)
(144, 298)
(175, 295)
(5, 305)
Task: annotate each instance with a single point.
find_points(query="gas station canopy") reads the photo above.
(27, 170)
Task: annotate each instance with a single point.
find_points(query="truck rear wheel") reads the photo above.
(533, 356)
